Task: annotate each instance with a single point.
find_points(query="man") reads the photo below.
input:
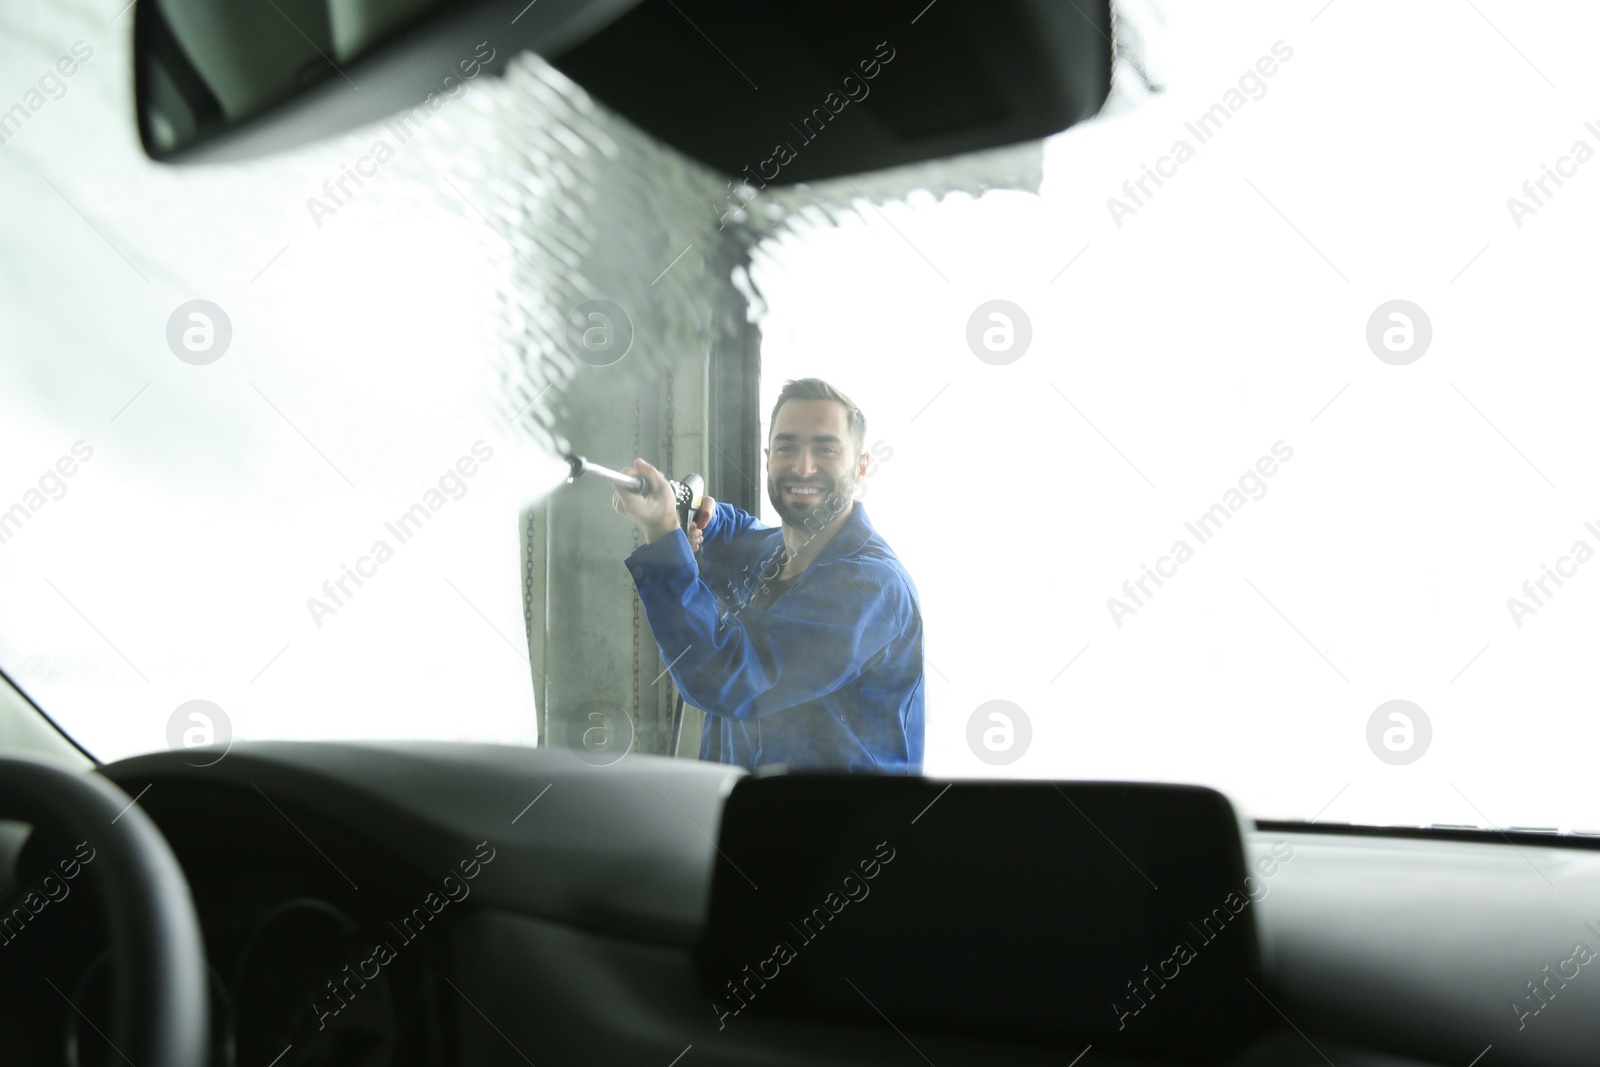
(803, 645)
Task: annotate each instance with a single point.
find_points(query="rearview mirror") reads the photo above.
(234, 79)
(773, 92)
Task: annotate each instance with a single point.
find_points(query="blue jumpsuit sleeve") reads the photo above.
(727, 522)
(745, 665)
(723, 551)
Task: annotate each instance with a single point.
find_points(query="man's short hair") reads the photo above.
(817, 389)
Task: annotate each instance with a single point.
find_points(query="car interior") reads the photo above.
(323, 318)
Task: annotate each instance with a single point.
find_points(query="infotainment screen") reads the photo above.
(1107, 912)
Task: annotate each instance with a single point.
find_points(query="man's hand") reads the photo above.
(697, 525)
(654, 511)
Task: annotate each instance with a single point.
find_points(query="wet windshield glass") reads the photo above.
(1233, 437)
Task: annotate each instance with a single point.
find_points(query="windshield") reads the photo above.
(1233, 437)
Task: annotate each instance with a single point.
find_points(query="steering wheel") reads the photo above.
(158, 957)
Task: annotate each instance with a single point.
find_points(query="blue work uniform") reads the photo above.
(827, 676)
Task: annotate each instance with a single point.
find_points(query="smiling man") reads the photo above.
(802, 644)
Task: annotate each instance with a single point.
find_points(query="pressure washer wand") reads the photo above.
(632, 482)
(687, 493)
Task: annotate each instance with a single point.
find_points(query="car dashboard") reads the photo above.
(422, 903)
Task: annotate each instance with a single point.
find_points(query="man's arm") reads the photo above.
(753, 662)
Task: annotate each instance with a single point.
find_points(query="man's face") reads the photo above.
(812, 464)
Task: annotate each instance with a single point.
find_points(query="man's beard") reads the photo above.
(833, 499)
